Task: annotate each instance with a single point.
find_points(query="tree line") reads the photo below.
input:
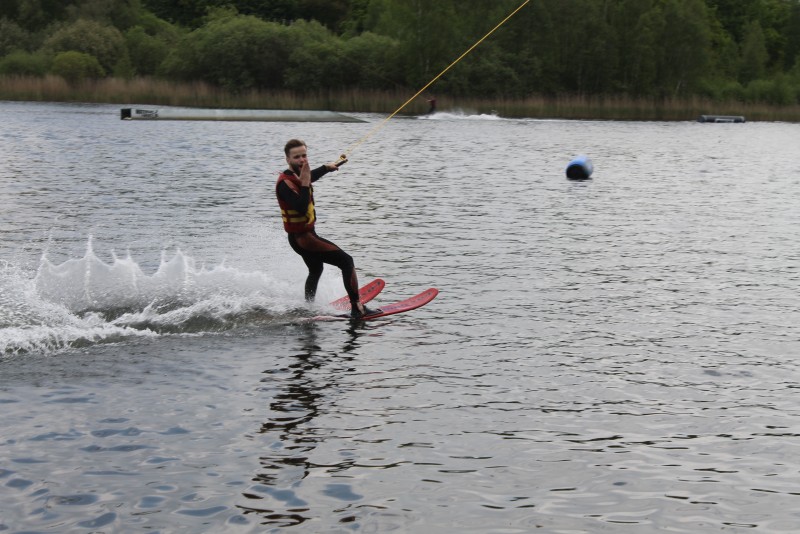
(746, 50)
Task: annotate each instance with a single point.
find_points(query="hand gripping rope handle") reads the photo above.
(343, 158)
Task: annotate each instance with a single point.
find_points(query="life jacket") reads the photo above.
(295, 222)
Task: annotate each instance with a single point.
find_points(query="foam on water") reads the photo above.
(86, 300)
(461, 115)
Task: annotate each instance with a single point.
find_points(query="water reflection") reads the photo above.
(291, 433)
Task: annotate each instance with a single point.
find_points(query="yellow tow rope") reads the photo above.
(352, 147)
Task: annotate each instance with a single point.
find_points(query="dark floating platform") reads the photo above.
(720, 118)
(266, 115)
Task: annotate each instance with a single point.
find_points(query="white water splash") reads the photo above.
(86, 300)
(89, 283)
(460, 115)
(29, 323)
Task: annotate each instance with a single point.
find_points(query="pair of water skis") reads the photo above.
(369, 292)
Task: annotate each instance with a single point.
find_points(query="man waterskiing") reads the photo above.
(296, 200)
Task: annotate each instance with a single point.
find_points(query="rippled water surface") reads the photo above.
(615, 355)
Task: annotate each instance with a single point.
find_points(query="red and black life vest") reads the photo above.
(295, 222)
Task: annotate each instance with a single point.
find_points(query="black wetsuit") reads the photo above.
(315, 250)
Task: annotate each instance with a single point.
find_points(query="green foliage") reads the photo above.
(145, 52)
(35, 15)
(76, 66)
(13, 37)
(21, 63)
(722, 90)
(481, 76)
(315, 62)
(157, 27)
(427, 44)
(792, 33)
(777, 91)
(643, 75)
(754, 53)
(356, 21)
(192, 13)
(105, 43)
(239, 53)
(724, 52)
(724, 49)
(329, 13)
(685, 43)
(188, 13)
(124, 68)
(372, 61)
(120, 14)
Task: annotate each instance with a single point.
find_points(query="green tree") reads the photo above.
(357, 20)
(733, 14)
(792, 32)
(315, 58)
(188, 13)
(777, 91)
(426, 32)
(145, 52)
(736, 16)
(587, 53)
(773, 16)
(685, 44)
(724, 53)
(122, 14)
(237, 52)
(156, 27)
(372, 61)
(8, 9)
(488, 72)
(76, 66)
(105, 43)
(754, 54)
(635, 57)
(329, 13)
(643, 70)
(124, 67)
(13, 37)
(20, 63)
(37, 14)
(531, 36)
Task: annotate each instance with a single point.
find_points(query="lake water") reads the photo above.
(615, 355)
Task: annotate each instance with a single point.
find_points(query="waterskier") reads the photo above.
(432, 102)
(296, 200)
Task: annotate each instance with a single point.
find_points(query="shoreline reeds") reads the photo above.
(155, 92)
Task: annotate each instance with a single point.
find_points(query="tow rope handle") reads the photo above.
(341, 161)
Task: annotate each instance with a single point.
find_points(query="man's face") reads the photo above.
(297, 156)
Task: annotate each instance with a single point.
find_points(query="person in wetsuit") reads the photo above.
(432, 102)
(296, 200)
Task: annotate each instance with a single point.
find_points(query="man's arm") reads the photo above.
(319, 172)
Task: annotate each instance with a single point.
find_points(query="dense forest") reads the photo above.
(731, 50)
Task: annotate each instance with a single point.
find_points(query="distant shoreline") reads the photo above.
(155, 92)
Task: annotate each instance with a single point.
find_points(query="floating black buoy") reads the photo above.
(580, 168)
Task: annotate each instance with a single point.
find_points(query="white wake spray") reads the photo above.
(86, 300)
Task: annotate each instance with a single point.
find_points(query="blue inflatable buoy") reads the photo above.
(580, 168)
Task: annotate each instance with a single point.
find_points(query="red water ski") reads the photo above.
(365, 294)
(389, 309)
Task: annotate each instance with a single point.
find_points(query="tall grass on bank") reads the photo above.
(155, 92)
